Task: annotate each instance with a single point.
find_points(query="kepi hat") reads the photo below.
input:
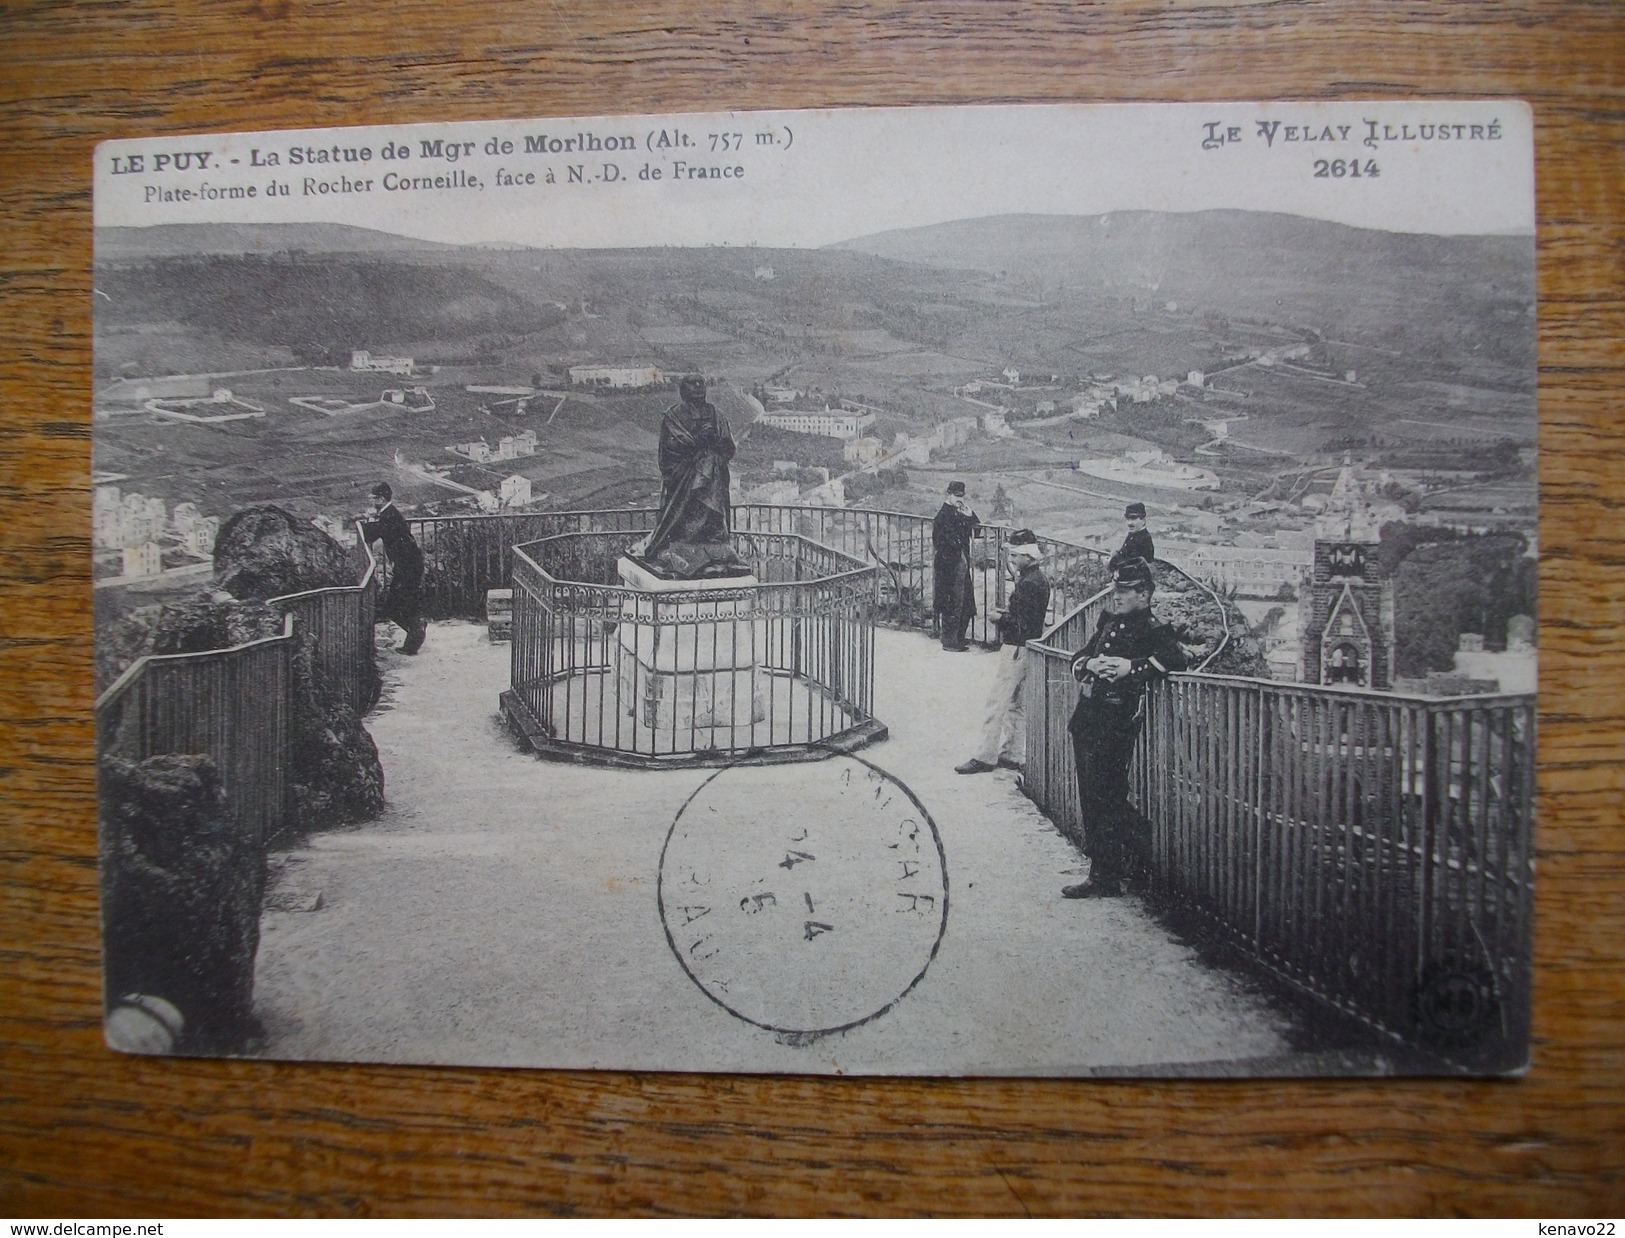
(1134, 511)
(956, 487)
(1134, 574)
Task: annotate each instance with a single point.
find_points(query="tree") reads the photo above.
(1003, 508)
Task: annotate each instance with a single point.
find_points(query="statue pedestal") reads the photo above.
(688, 663)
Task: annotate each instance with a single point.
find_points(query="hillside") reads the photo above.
(1473, 292)
(313, 306)
(179, 240)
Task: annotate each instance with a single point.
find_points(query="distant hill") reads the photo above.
(179, 240)
(1248, 262)
(313, 305)
(1156, 249)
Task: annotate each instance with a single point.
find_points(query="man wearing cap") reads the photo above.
(402, 602)
(1004, 734)
(953, 597)
(1138, 544)
(1129, 648)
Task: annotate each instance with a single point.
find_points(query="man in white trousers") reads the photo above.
(1004, 734)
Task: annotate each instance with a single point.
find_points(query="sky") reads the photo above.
(813, 178)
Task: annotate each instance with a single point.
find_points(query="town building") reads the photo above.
(144, 559)
(1251, 571)
(515, 491)
(616, 376)
(418, 398)
(363, 362)
(866, 453)
(827, 422)
(198, 540)
(996, 423)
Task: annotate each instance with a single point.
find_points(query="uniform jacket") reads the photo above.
(1137, 545)
(390, 527)
(1023, 619)
(1152, 647)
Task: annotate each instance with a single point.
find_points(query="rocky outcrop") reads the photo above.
(202, 623)
(334, 774)
(181, 896)
(266, 552)
(1201, 622)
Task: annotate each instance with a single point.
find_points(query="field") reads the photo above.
(1435, 330)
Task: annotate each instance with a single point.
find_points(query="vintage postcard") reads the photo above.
(1034, 590)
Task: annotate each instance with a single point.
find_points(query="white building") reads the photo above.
(1253, 571)
(997, 424)
(145, 559)
(616, 376)
(363, 361)
(184, 518)
(515, 491)
(763, 272)
(828, 422)
(106, 508)
(199, 538)
(865, 452)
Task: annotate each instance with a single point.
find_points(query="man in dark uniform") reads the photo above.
(953, 596)
(1138, 544)
(1004, 735)
(1128, 649)
(402, 602)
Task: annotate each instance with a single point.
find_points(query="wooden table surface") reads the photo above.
(84, 1132)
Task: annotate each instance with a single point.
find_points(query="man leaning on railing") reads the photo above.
(1004, 736)
(1127, 650)
(402, 602)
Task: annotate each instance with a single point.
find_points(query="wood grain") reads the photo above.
(84, 1132)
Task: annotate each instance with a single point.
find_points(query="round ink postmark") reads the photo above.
(1455, 1004)
(804, 899)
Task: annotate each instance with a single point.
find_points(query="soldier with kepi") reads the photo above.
(1129, 648)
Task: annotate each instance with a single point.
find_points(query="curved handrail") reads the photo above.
(1224, 618)
(364, 582)
(137, 668)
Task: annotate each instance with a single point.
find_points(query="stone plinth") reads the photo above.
(689, 664)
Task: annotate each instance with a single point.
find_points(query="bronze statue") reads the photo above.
(691, 539)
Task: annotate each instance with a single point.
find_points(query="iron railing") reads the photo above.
(339, 621)
(701, 673)
(231, 705)
(467, 555)
(234, 705)
(1374, 850)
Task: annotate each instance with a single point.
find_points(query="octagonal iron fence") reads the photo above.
(775, 667)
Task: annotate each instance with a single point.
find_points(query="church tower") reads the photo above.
(1346, 604)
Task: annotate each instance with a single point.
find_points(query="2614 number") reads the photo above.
(1338, 169)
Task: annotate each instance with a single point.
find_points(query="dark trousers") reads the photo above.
(1103, 737)
(953, 626)
(402, 603)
